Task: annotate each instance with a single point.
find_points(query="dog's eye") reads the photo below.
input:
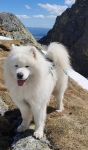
(27, 66)
(16, 66)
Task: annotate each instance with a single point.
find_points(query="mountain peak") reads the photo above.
(11, 26)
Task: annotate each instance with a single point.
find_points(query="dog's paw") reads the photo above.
(38, 134)
(22, 128)
(60, 110)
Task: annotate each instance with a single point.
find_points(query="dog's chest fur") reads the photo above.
(36, 91)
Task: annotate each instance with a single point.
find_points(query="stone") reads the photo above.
(30, 143)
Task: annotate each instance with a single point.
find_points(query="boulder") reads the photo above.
(26, 141)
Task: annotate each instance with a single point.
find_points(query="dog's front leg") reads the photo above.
(39, 118)
(26, 116)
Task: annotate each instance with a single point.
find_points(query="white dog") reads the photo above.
(31, 80)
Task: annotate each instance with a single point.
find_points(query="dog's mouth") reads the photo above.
(21, 82)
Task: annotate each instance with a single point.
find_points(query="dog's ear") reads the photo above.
(33, 50)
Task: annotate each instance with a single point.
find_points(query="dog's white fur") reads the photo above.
(41, 81)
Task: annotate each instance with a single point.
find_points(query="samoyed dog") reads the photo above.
(31, 79)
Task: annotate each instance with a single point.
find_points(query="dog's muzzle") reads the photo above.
(22, 75)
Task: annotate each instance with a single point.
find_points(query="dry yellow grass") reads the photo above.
(69, 130)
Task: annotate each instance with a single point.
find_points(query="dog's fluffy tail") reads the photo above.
(59, 55)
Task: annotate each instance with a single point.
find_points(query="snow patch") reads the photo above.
(81, 80)
(5, 38)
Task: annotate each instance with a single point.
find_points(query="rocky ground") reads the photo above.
(64, 131)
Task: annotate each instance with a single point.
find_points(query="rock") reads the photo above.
(11, 26)
(5, 45)
(3, 107)
(5, 134)
(8, 125)
(30, 143)
(26, 141)
(71, 29)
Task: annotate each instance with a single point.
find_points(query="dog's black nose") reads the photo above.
(20, 75)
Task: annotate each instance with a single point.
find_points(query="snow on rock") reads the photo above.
(5, 38)
(82, 81)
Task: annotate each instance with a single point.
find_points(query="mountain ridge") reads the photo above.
(71, 29)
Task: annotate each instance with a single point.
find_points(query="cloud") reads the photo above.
(41, 16)
(27, 6)
(69, 2)
(53, 8)
(51, 16)
(23, 16)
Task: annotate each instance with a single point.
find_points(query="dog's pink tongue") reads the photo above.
(20, 82)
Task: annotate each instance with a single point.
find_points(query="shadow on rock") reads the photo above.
(50, 109)
(8, 124)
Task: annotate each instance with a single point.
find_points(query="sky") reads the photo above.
(36, 13)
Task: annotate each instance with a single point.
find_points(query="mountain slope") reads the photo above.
(11, 26)
(71, 29)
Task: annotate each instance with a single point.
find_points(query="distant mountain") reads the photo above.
(38, 32)
(71, 29)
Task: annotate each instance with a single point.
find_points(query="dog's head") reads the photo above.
(22, 63)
